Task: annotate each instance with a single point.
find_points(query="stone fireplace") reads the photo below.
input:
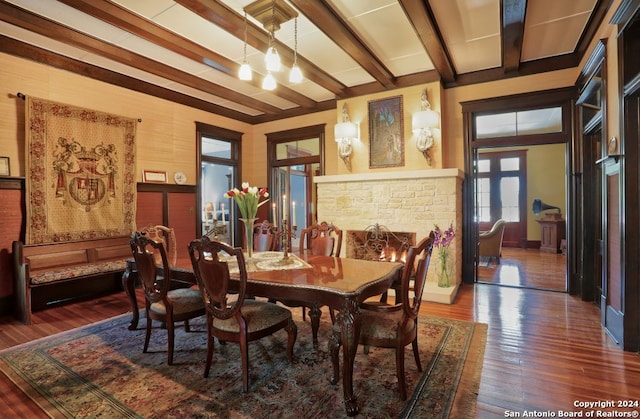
(409, 201)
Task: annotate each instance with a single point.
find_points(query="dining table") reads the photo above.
(339, 283)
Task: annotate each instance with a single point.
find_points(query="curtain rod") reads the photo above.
(23, 97)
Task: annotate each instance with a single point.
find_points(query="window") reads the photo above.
(219, 163)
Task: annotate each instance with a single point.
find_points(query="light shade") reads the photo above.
(269, 82)
(425, 119)
(345, 130)
(272, 60)
(245, 72)
(295, 76)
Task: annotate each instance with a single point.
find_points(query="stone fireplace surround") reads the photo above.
(411, 201)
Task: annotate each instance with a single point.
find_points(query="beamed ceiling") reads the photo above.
(189, 51)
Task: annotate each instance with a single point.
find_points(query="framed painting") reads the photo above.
(386, 132)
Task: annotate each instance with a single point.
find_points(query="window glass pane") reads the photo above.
(511, 163)
(497, 125)
(299, 148)
(539, 121)
(216, 148)
(509, 193)
(484, 166)
(484, 200)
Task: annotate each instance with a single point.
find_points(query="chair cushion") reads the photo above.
(379, 325)
(259, 315)
(184, 300)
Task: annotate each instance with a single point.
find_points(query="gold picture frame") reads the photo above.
(5, 168)
(386, 132)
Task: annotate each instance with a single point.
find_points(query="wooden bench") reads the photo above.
(52, 272)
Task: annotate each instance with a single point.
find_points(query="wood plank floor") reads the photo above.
(529, 268)
(545, 350)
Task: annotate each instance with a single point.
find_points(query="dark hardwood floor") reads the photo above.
(529, 268)
(545, 350)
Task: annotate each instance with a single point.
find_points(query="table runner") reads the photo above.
(269, 261)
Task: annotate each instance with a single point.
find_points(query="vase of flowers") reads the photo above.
(248, 201)
(444, 266)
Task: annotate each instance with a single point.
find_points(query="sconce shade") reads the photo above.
(425, 119)
(345, 130)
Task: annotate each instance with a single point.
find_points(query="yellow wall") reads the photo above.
(166, 135)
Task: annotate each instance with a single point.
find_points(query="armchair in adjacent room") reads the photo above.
(491, 241)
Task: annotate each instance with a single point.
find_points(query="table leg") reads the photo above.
(314, 315)
(349, 319)
(128, 284)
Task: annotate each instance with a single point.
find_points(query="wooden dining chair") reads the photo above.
(393, 325)
(166, 236)
(322, 239)
(161, 302)
(264, 237)
(232, 317)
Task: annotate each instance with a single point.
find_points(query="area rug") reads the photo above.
(100, 371)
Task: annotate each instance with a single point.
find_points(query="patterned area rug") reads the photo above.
(100, 371)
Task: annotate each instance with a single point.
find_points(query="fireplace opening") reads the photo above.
(377, 242)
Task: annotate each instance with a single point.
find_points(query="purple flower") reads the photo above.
(443, 238)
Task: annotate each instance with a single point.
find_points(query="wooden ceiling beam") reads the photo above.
(122, 18)
(421, 18)
(224, 17)
(334, 26)
(32, 53)
(45, 27)
(513, 14)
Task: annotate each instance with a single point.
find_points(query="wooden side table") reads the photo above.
(553, 232)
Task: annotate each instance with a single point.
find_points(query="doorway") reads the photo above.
(509, 179)
(530, 135)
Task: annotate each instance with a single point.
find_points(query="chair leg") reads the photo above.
(147, 336)
(304, 313)
(402, 386)
(292, 332)
(187, 328)
(244, 354)
(211, 340)
(170, 343)
(334, 350)
(416, 354)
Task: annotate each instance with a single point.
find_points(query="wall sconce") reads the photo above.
(422, 123)
(344, 133)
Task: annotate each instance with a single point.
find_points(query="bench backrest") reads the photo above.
(46, 256)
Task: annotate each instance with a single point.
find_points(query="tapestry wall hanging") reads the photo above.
(80, 173)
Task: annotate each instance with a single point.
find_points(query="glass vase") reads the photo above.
(248, 235)
(443, 269)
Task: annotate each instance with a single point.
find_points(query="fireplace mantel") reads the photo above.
(411, 174)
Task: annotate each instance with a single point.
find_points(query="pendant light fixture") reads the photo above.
(271, 13)
(271, 58)
(295, 76)
(245, 72)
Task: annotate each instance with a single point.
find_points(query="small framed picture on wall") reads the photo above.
(154, 176)
(5, 169)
